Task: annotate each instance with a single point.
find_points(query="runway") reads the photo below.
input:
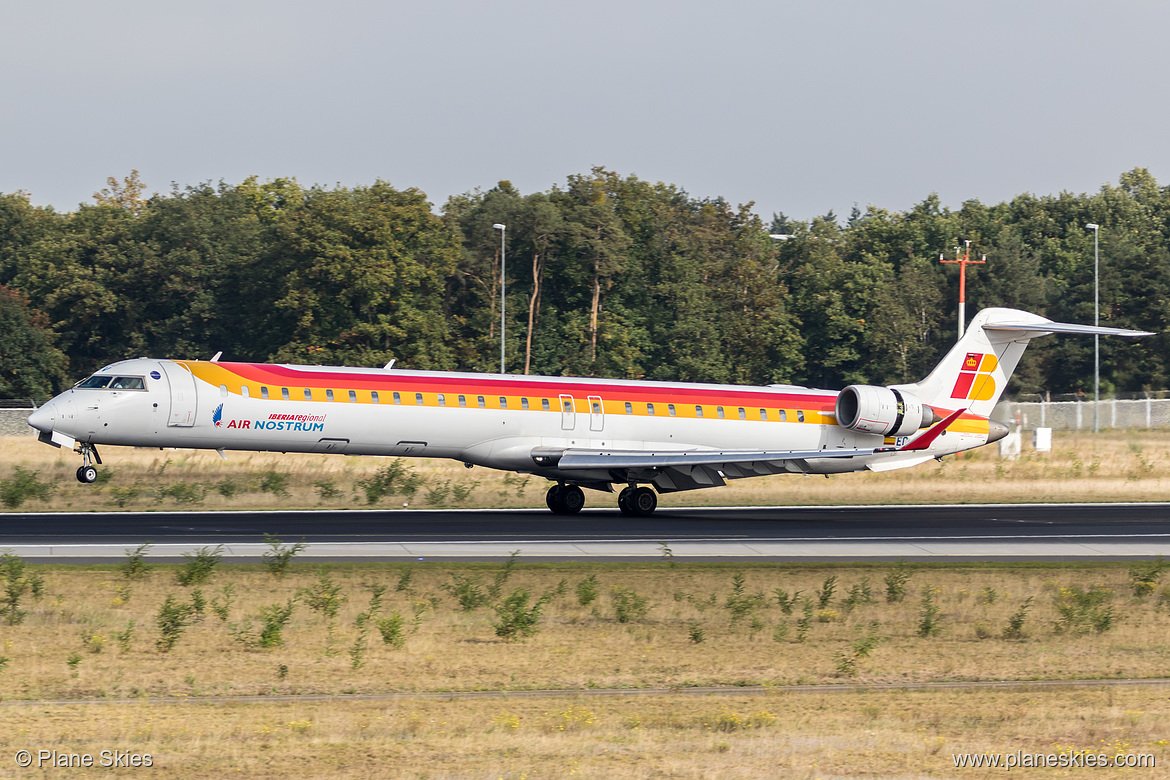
(934, 532)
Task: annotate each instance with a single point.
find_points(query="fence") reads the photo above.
(14, 417)
(1112, 414)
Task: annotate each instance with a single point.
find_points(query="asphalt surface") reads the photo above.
(919, 532)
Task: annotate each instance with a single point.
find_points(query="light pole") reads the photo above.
(1096, 321)
(963, 261)
(503, 265)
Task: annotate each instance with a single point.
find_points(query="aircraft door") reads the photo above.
(596, 413)
(568, 415)
(183, 398)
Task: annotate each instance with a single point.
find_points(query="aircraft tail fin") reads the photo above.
(975, 372)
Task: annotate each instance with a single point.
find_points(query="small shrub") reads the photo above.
(930, 615)
(392, 630)
(515, 618)
(859, 595)
(1083, 611)
(404, 580)
(1015, 625)
(123, 496)
(274, 482)
(696, 633)
(740, 603)
(988, 595)
(503, 575)
(983, 631)
(780, 632)
(804, 622)
(73, 661)
(859, 650)
(22, 486)
(184, 492)
(135, 566)
(273, 619)
(896, 582)
(16, 585)
(629, 606)
(587, 590)
(462, 491)
(827, 591)
(198, 605)
(222, 603)
(227, 488)
(125, 637)
(324, 596)
(172, 620)
(437, 493)
(199, 566)
(278, 556)
(785, 601)
(94, 643)
(327, 489)
(467, 591)
(1144, 576)
(384, 482)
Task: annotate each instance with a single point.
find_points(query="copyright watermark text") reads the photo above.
(47, 759)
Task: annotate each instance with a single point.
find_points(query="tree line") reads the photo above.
(607, 275)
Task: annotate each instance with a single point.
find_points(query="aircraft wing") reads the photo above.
(673, 470)
(647, 459)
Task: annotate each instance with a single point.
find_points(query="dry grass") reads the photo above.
(577, 647)
(887, 734)
(1131, 466)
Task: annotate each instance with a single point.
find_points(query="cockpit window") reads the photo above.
(115, 383)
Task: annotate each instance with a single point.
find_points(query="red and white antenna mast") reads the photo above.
(963, 260)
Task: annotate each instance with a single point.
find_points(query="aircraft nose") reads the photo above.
(42, 419)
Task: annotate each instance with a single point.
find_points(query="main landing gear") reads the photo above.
(637, 501)
(87, 472)
(565, 499)
(633, 501)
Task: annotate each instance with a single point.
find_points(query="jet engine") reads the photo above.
(882, 410)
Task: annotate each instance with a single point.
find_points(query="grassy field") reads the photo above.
(1132, 466)
(91, 633)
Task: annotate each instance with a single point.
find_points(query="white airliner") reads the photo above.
(577, 432)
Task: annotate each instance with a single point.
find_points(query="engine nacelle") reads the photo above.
(882, 410)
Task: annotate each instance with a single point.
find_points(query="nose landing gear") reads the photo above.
(87, 472)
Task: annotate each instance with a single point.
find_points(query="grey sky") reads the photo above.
(800, 106)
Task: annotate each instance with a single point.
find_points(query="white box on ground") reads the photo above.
(1042, 440)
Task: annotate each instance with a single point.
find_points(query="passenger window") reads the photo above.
(764, 415)
(629, 408)
(783, 416)
(328, 395)
(244, 390)
(442, 400)
(481, 402)
(463, 400)
(596, 407)
(698, 411)
(544, 404)
(799, 415)
(397, 397)
(523, 403)
(263, 392)
(719, 412)
(566, 406)
(352, 397)
(308, 394)
(670, 409)
(742, 413)
(223, 391)
(374, 396)
(503, 402)
(650, 409)
(418, 399)
(284, 393)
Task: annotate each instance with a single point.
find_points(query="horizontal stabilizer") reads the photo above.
(1038, 328)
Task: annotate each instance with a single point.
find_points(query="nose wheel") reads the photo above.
(637, 501)
(565, 499)
(87, 472)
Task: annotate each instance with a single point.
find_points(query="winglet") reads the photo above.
(926, 439)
